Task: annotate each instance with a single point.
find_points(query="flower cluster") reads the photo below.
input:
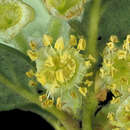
(115, 75)
(61, 69)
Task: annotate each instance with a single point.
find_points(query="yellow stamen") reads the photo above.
(33, 45)
(73, 40)
(58, 104)
(116, 92)
(83, 91)
(30, 73)
(49, 62)
(41, 79)
(114, 39)
(90, 57)
(32, 83)
(121, 54)
(115, 100)
(89, 74)
(81, 44)
(42, 97)
(59, 45)
(48, 103)
(33, 55)
(128, 38)
(88, 64)
(127, 108)
(47, 40)
(60, 76)
(88, 83)
(110, 116)
(102, 72)
(110, 45)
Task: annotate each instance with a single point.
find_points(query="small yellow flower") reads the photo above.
(114, 39)
(49, 62)
(83, 91)
(47, 40)
(30, 73)
(59, 45)
(81, 44)
(73, 40)
(33, 55)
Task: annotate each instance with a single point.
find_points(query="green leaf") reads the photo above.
(13, 81)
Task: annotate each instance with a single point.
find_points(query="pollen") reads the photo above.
(33, 55)
(114, 39)
(30, 73)
(47, 40)
(41, 78)
(73, 40)
(60, 76)
(81, 44)
(59, 45)
(83, 91)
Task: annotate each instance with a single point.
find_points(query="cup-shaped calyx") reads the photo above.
(115, 71)
(14, 15)
(62, 70)
(65, 8)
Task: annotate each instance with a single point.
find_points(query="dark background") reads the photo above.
(16, 119)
